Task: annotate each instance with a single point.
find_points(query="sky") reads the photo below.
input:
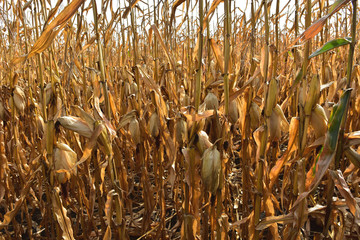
(241, 7)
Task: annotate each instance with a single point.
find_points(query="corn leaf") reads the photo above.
(344, 190)
(329, 149)
(331, 45)
(50, 32)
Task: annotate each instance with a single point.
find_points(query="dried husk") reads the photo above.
(313, 95)
(327, 74)
(233, 111)
(77, 125)
(272, 97)
(210, 170)
(181, 129)
(283, 121)
(134, 88)
(40, 124)
(318, 121)
(127, 90)
(64, 162)
(154, 125)
(2, 111)
(134, 129)
(203, 142)
(255, 115)
(211, 101)
(275, 126)
(184, 97)
(19, 99)
(49, 93)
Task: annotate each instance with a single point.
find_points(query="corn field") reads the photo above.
(179, 119)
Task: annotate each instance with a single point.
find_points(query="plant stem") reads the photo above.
(227, 34)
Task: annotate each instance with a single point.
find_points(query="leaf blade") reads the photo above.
(331, 45)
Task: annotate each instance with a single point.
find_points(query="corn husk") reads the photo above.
(64, 162)
(154, 125)
(2, 111)
(275, 127)
(327, 74)
(77, 125)
(184, 97)
(134, 129)
(181, 129)
(284, 124)
(19, 99)
(134, 88)
(318, 121)
(272, 97)
(210, 170)
(313, 95)
(49, 93)
(211, 101)
(203, 142)
(255, 115)
(127, 90)
(233, 111)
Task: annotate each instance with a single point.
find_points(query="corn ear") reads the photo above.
(134, 129)
(181, 131)
(210, 170)
(255, 115)
(313, 95)
(271, 97)
(211, 101)
(233, 111)
(19, 99)
(203, 141)
(283, 121)
(64, 161)
(318, 121)
(154, 125)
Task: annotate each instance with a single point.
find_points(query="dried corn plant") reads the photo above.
(179, 120)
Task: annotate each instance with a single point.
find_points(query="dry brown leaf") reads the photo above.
(344, 190)
(61, 216)
(128, 9)
(51, 31)
(268, 221)
(8, 217)
(293, 133)
(212, 8)
(218, 54)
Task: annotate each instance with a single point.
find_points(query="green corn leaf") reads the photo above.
(334, 125)
(331, 45)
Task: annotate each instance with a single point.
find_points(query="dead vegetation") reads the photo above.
(147, 124)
